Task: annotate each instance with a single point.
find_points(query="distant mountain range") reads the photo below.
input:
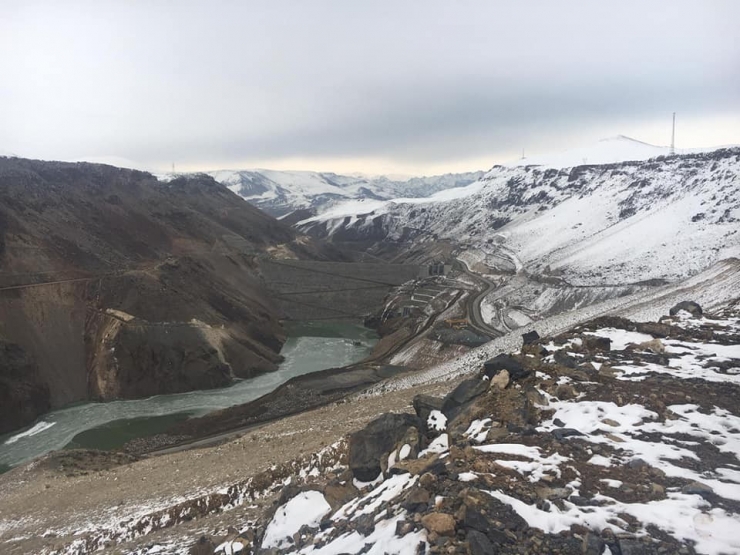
(281, 192)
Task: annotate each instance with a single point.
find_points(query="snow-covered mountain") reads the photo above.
(280, 192)
(666, 217)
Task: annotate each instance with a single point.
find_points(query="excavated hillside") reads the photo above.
(116, 285)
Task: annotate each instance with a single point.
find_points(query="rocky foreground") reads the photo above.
(615, 437)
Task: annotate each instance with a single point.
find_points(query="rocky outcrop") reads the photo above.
(142, 359)
(425, 404)
(505, 362)
(462, 395)
(530, 337)
(509, 476)
(369, 446)
(204, 546)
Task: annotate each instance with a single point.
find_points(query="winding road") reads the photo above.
(473, 306)
(475, 316)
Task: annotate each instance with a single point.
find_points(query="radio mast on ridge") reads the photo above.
(672, 151)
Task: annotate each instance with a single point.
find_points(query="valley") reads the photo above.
(369, 278)
(444, 284)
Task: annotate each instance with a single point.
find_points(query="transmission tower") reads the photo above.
(672, 152)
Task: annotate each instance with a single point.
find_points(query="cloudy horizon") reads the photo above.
(384, 87)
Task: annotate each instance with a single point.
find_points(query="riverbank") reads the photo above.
(298, 395)
(311, 347)
(64, 500)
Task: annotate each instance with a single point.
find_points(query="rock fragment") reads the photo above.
(439, 523)
(691, 307)
(505, 362)
(368, 446)
(500, 380)
(697, 488)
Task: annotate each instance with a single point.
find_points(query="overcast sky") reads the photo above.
(416, 87)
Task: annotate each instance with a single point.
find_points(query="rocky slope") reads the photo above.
(282, 192)
(115, 285)
(616, 437)
(663, 218)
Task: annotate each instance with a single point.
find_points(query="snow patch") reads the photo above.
(305, 509)
(37, 429)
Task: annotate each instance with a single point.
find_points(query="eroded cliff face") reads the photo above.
(22, 396)
(116, 285)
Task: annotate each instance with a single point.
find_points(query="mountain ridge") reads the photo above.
(116, 285)
(609, 150)
(280, 192)
(666, 217)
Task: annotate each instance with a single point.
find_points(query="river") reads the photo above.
(311, 346)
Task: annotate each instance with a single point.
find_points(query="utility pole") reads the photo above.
(672, 152)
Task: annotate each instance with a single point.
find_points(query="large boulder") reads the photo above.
(594, 343)
(505, 362)
(338, 492)
(489, 516)
(629, 546)
(425, 404)
(657, 329)
(688, 306)
(368, 446)
(479, 544)
(564, 359)
(462, 395)
(439, 523)
(530, 337)
(416, 500)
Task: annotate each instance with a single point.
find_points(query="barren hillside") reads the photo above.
(115, 285)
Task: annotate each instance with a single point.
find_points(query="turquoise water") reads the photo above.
(311, 346)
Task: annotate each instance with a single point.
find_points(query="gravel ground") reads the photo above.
(44, 497)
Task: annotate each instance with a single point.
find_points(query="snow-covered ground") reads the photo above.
(563, 489)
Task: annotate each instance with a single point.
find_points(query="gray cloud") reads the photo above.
(415, 82)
